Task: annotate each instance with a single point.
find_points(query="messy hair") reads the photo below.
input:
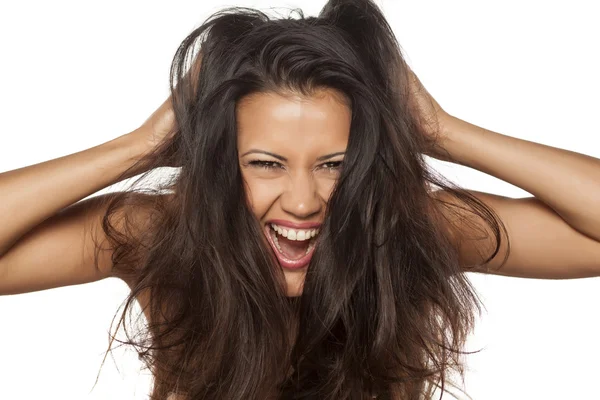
(385, 307)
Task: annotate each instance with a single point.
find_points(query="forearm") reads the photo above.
(567, 181)
(31, 194)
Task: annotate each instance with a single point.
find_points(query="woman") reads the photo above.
(286, 126)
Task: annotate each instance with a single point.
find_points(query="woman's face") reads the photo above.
(290, 151)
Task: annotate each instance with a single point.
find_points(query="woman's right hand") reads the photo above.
(160, 125)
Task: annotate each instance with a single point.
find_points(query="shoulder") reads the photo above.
(526, 237)
(473, 222)
(135, 220)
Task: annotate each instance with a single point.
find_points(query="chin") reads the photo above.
(293, 293)
(295, 283)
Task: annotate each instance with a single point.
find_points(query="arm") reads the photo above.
(48, 235)
(566, 181)
(34, 193)
(47, 239)
(554, 234)
(61, 250)
(542, 244)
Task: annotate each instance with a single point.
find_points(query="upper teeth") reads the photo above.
(295, 234)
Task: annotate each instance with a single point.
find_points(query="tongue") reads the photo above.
(292, 249)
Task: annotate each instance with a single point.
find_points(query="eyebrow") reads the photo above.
(277, 156)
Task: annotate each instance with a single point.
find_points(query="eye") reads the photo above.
(268, 165)
(332, 166)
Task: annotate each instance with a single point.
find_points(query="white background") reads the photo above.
(77, 74)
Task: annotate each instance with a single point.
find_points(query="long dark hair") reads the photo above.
(385, 307)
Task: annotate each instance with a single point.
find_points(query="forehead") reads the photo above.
(292, 123)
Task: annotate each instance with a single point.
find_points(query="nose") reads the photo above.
(301, 197)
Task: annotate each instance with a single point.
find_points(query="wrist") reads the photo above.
(143, 142)
(461, 141)
(135, 147)
(139, 141)
(443, 136)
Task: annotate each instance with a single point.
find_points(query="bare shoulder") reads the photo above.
(467, 226)
(72, 246)
(532, 240)
(137, 219)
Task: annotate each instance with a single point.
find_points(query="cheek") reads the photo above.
(261, 194)
(325, 187)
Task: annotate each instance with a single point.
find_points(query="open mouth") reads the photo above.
(293, 247)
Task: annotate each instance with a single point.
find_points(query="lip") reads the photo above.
(294, 225)
(284, 262)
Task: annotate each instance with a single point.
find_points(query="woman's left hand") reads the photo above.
(430, 114)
